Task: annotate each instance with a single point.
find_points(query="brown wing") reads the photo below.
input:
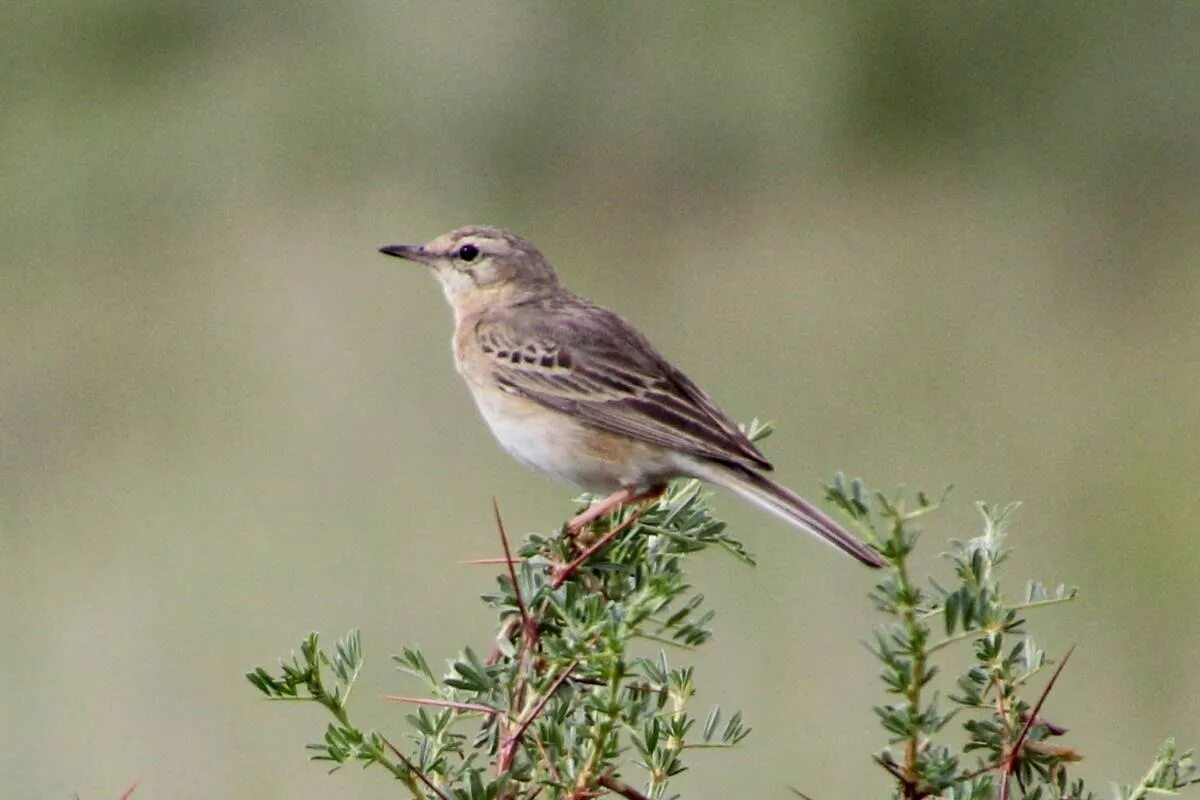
(581, 359)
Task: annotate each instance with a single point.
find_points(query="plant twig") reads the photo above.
(428, 701)
(508, 749)
(917, 680)
(892, 768)
(414, 769)
(563, 572)
(546, 759)
(526, 621)
(1032, 604)
(529, 636)
(1015, 751)
(620, 787)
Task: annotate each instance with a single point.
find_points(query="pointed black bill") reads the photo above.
(411, 252)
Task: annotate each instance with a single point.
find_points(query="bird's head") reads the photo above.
(476, 263)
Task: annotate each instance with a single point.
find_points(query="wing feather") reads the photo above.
(581, 359)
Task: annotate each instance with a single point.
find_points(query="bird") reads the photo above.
(571, 389)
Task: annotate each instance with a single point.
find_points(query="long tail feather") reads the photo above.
(788, 506)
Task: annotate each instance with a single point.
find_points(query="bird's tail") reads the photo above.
(788, 506)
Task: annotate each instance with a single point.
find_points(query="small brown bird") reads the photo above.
(572, 390)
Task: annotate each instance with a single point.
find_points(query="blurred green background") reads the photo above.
(936, 242)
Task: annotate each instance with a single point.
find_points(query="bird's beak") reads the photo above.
(412, 252)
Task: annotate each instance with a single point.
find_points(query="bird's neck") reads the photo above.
(471, 306)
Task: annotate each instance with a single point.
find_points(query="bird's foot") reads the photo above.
(622, 497)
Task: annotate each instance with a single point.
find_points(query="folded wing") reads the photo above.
(581, 359)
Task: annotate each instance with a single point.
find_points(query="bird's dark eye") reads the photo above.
(468, 252)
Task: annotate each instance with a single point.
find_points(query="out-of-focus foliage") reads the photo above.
(939, 241)
(1011, 749)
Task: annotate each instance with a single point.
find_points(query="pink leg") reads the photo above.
(621, 497)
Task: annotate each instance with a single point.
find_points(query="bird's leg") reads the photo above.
(562, 571)
(598, 509)
(622, 497)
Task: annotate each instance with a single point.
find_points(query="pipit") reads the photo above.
(571, 389)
